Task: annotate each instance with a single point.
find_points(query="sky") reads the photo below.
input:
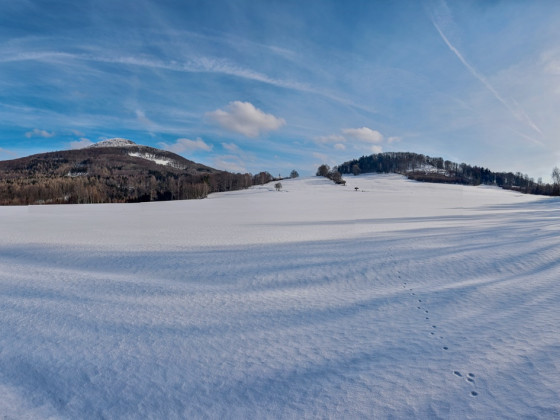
(251, 86)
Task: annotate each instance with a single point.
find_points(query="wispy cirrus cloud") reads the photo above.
(513, 107)
(201, 64)
(321, 156)
(230, 163)
(330, 138)
(39, 133)
(236, 159)
(231, 147)
(45, 56)
(198, 64)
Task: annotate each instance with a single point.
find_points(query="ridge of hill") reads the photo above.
(114, 170)
(424, 168)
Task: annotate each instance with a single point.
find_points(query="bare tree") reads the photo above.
(556, 181)
(278, 186)
(556, 175)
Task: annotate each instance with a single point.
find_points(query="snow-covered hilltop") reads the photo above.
(115, 142)
(398, 300)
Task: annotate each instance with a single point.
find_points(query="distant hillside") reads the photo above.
(115, 170)
(429, 169)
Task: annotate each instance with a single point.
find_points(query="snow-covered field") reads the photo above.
(401, 300)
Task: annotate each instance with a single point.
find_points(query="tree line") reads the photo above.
(115, 185)
(435, 169)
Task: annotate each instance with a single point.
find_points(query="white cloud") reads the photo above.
(364, 134)
(339, 146)
(393, 139)
(376, 149)
(244, 118)
(83, 142)
(186, 145)
(39, 133)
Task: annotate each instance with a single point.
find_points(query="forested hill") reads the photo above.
(113, 171)
(425, 168)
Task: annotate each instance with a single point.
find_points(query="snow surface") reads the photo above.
(401, 300)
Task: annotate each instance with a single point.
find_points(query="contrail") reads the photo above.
(519, 114)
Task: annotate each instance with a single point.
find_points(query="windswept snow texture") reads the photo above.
(400, 300)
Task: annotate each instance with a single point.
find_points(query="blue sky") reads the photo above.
(282, 85)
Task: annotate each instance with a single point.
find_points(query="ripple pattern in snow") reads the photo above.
(401, 299)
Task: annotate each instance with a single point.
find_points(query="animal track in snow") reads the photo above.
(469, 378)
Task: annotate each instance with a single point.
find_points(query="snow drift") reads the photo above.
(401, 299)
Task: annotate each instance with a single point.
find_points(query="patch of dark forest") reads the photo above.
(423, 168)
(113, 175)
